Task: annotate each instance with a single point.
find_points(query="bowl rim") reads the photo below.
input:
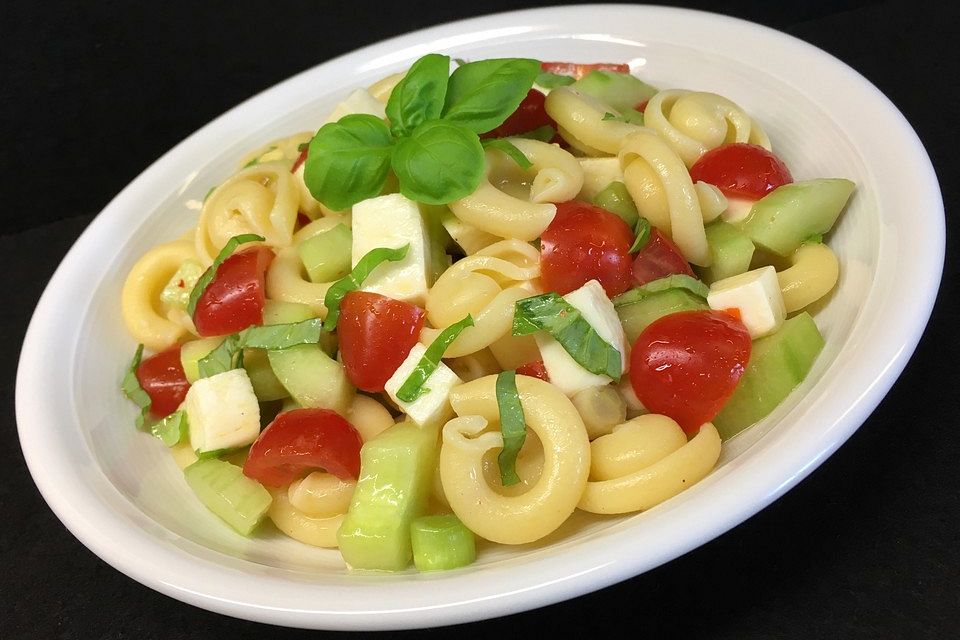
(206, 584)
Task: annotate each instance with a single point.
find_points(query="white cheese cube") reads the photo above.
(222, 412)
(360, 101)
(598, 173)
(432, 407)
(392, 221)
(737, 209)
(597, 309)
(758, 297)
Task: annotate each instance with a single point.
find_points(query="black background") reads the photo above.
(90, 95)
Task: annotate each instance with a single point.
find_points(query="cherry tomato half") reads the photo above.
(535, 369)
(304, 440)
(585, 243)
(686, 365)
(741, 170)
(658, 258)
(530, 115)
(162, 377)
(376, 333)
(234, 299)
(579, 70)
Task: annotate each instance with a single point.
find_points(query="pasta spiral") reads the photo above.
(694, 122)
(646, 461)
(580, 121)
(813, 273)
(529, 516)
(286, 278)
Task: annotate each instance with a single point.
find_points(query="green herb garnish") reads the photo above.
(545, 133)
(513, 428)
(673, 281)
(132, 389)
(229, 354)
(507, 147)
(641, 235)
(352, 281)
(413, 387)
(204, 281)
(549, 80)
(172, 429)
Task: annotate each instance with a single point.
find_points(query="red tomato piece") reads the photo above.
(741, 170)
(584, 243)
(299, 161)
(376, 333)
(535, 369)
(686, 365)
(642, 106)
(530, 115)
(304, 440)
(579, 70)
(658, 258)
(162, 377)
(234, 298)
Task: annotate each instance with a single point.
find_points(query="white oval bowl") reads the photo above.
(121, 494)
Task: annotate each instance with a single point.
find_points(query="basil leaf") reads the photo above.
(549, 80)
(440, 162)
(172, 429)
(642, 235)
(673, 281)
(545, 133)
(303, 146)
(504, 145)
(207, 196)
(513, 428)
(348, 160)
(419, 96)
(229, 354)
(816, 238)
(567, 325)
(204, 281)
(352, 281)
(132, 389)
(631, 116)
(412, 388)
(482, 94)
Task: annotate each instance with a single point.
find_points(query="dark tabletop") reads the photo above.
(866, 547)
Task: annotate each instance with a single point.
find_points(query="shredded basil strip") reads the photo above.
(673, 281)
(413, 387)
(816, 238)
(352, 281)
(551, 313)
(544, 133)
(229, 355)
(507, 147)
(207, 196)
(209, 274)
(132, 389)
(642, 235)
(549, 80)
(172, 429)
(513, 428)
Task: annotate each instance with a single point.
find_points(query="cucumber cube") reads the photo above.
(441, 543)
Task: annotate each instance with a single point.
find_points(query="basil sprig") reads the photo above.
(431, 143)
(549, 80)
(352, 281)
(229, 354)
(507, 147)
(513, 427)
(551, 313)
(132, 389)
(641, 235)
(413, 387)
(209, 274)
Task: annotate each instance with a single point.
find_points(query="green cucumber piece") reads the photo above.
(778, 363)
(191, 353)
(326, 256)
(616, 199)
(177, 291)
(621, 91)
(266, 385)
(730, 251)
(781, 220)
(673, 281)
(441, 543)
(639, 315)
(279, 312)
(312, 377)
(235, 498)
(396, 476)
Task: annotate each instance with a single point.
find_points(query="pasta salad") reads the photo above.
(473, 302)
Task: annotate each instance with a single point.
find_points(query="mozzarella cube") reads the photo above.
(738, 209)
(756, 294)
(597, 309)
(222, 412)
(360, 101)
(432, 407)
(393, 221)
(598, 173)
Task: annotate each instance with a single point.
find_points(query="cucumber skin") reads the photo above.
(232, 496)
(639, 315)
(731, 252)
(396, 476)
(778, 363)
(441, 543)
(619, 90)
(784, 218)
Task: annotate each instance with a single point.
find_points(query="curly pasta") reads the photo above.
(369, 417)
(282, 151)
(312, 530)
(261, 199)
(580, 121)
(662, 190)
(514, 519)
(813, 273)
(147, 319)
(286, 278)
(694, 122)
(646, 461)
(485, 285)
